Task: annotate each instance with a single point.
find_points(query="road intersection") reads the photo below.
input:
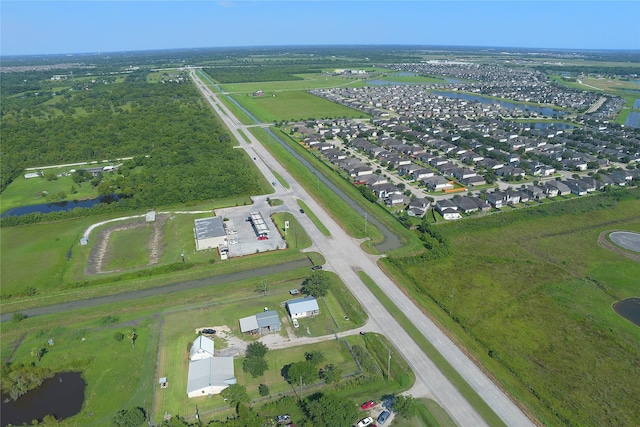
(345, 258)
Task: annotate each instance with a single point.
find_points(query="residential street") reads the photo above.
(345, 258)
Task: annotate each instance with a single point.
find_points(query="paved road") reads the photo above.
(345, 258)
(161, 290)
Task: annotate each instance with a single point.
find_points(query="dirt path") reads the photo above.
(602, 241)
(95, 263)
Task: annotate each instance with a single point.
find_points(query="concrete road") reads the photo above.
(345, 258)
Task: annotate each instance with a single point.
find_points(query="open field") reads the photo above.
(60, 262)
(310, 81)
(533, 303)
(292, 106)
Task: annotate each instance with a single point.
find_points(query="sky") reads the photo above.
(62, 27)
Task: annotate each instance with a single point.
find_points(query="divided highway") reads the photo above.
(345, 258)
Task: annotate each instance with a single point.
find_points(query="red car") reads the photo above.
(368, 405)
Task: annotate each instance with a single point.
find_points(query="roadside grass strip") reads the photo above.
(463, 387)
(281, 180)
(314, 218)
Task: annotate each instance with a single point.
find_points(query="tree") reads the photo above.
(263, 390)
(332, 374)
(317, 284)
(235, 394)
(37, 352)
(256, 349)
(133, 336)
(305, 372)
(50, 176)
(405, 406)
(316, 357)
(332, 410)
(133, 417)
(256, 366)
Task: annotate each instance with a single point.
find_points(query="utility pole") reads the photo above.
(365, 223)
(389, 365)
(182, 254)
(300, 397)
(453, 291)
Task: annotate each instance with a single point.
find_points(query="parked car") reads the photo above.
(368, 405)
(233, 242)
(283, 419)
(365, 422)
(295, 323)
(208, 331)
(316, 267)
(383, 417)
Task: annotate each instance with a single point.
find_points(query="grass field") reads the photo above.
(533, 303)
(310, 81)
(127, 249)
(33, 191)
(293, 106)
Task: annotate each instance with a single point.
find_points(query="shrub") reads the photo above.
(118, 336)
(263, 389)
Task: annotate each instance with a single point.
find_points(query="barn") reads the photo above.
(208, 374)
(209, 233)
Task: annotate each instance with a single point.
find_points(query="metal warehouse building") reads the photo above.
(209, 233)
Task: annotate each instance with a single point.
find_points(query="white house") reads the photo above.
(208, 374)
(303, 307)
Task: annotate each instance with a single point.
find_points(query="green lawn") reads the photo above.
(127, 248)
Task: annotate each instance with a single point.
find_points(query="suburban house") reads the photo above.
(261, 323)
(418, 207)
(303, 307)
(208, 374)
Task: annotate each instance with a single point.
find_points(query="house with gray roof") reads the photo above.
(261, 323)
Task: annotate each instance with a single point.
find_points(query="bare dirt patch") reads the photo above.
(100, 250)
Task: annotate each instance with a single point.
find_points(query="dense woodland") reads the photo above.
(181, 152)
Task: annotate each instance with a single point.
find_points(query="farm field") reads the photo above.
(533, 302)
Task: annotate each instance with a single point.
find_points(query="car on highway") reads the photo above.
(301, 210)
(365, 422)
(383, 417)
(368, 405)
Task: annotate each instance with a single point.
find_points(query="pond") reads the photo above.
(546, 111)
(629, 309)
(60, 206)
(633, 120)
(61, 396)
(547, 125)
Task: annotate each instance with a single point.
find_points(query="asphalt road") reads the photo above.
(345, 258)
(160, 290)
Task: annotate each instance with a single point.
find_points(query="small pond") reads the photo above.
(61, 396)
(629, 309)
(633, 119)
(60, 206)
(546, 111)
(547, 125)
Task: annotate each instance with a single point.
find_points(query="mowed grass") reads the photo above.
(33, 191)
(231, 303)
(532, 299)
(292, 106)
(128, 248)
(309, 81)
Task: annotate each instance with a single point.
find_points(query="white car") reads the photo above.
(231, 232)
(295, 323)
(233, 242)
(365, 422)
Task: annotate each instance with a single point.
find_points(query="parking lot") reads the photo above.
(241, 234)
